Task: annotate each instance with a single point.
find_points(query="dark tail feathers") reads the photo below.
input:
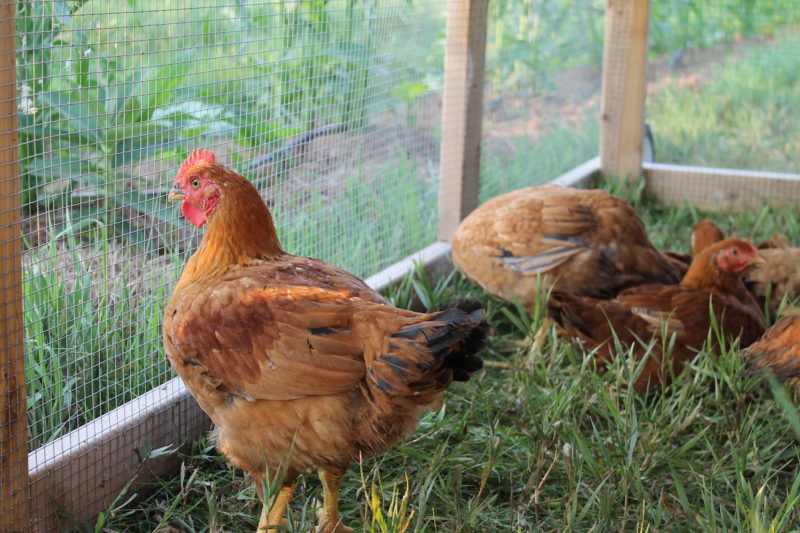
(426, 356)
(562, 308)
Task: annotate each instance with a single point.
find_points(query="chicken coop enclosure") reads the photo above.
(371, 127)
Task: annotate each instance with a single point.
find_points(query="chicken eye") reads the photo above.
(735, 252)
(195, 183)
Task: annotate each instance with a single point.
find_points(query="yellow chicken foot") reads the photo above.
(274, 517)
(328, 516)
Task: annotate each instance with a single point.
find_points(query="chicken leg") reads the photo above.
(270, 521)
(328, 516)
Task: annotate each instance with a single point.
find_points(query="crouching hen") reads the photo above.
(589, 242)
(778, 350)
(641, 314)
(298, 363)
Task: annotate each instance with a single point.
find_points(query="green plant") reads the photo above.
(91, 338)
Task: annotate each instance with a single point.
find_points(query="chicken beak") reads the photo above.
(756, 260)
(175, 194)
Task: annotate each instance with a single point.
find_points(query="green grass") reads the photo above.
(738, 118)
(538, 441)
(90, 340)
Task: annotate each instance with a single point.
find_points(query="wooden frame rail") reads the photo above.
(14, 501)
(623, 90)
(462, 111)
(721, 189)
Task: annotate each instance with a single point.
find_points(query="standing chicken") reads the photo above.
(586, 241)
(642, 314)
(778, 350)
(298, 363)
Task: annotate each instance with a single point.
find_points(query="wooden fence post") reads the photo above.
(14, 512)
(624, 66)
(462, 112)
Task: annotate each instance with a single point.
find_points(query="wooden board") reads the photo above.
(623, 91)
(719, 189)
(581, 176)
(14, 515)
(462, 112)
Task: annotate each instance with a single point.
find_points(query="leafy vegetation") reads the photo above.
(529, 42)
(101, 94)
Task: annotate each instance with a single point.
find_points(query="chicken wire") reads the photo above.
(722, 84)
(542, 97)
(331, 108)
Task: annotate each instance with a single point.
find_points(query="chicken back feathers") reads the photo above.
(587, 241)
(290, 353)
(778, 350)
(639, 315)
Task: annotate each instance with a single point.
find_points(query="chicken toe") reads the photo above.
(274, 516)
(328, 516)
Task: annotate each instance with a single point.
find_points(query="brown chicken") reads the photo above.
(586, 241)
(704, 234)
(298, 363)
(653, 313)
(778, 350)
(776, 278)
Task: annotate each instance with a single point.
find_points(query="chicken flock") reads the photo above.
(301, 365)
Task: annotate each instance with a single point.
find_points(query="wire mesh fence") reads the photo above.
(323, 105)
(543, 79)
(329, 107)
(333, 109)
(721, 84)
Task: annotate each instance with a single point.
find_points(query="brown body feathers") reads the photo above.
(648, 313)
(295, 360)
(778, 350)
(586, 241)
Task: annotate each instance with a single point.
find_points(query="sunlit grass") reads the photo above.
(738, 116)
(92, 324)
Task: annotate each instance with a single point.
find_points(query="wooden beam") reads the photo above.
(14, 501)
(720, 189)
(623, 92)
(462, 112)
(433, 258)
(580, 176)
(77, 476)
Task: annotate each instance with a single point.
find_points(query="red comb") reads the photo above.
(198, 156)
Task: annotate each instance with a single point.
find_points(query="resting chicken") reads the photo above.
(586, 241)
(656, 312)
(776, 279)
(298, 363)
(778, 350)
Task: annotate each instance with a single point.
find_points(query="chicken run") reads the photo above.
(300, 364)
(304, 368)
